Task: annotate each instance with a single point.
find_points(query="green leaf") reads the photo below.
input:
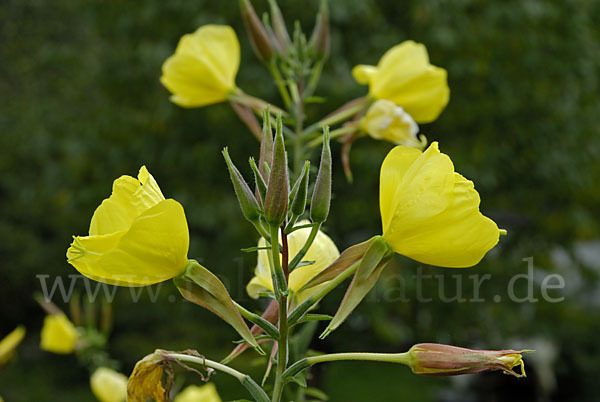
(202, 287)
(314, 317)
(298, 379)
(316, 393)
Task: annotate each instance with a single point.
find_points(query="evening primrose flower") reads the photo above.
(136, 237)
(59, 335)
(108, 385)
(443, 360)
(405, 77)
(203, 68)
(387, 121)
(431, 213)
(194, 393)
(9, 344)
(323, 252)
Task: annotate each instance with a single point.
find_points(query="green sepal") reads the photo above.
(375, 259)
(349, 257)
(200, 286)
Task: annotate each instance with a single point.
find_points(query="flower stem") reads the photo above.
(282, 348)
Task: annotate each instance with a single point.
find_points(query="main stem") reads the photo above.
(282, 348)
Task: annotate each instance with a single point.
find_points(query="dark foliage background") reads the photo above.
(81, 104)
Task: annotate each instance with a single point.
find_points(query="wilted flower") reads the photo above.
(10, 343)
(59, 335)
(387, 121)
(146, 381)
(431, 213)
(405, 77)
(109, 385)
(443, 360)
(202, 71)
(194, 393)
(323, 252)
(136, 237)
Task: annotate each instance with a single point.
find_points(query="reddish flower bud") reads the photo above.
(443, 360)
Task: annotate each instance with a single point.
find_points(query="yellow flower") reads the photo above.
(108, 385)
(431, 213)
(194, 393)
(387, 121)
(202, 71)
(405, 77)
(59, 335)
(10, 343)
(323, 252)
(136, 237)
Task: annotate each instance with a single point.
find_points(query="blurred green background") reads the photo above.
(81, 104)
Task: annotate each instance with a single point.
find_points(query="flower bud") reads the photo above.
(321, 198)
(443, 360)
(108, 385)
(276, 199)
(300, 191)
(266, 145)
(59, 335)
(279, 29)
(320, 39)
(244, 195)
(256, 31)
(261, 186)
(194, 393)
(10, 343)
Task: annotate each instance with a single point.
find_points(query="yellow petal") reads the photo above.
(108, 385)
(323, 251)
(194, 393)
(145, 381)
(430, 213)
(202, 71)
(405, 77)
(130, 197)
(10, 343)
(59, 335)
(363, 74)
(154, 249)
(393, 169)
(385, 120)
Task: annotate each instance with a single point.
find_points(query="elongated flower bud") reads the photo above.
(256, 31)
(443, 360)
(320, 39)
(299, 192)
(279, 29)
(261, 186)
(246, 198)
(321, 198)
(276, 199)
(266, 145)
